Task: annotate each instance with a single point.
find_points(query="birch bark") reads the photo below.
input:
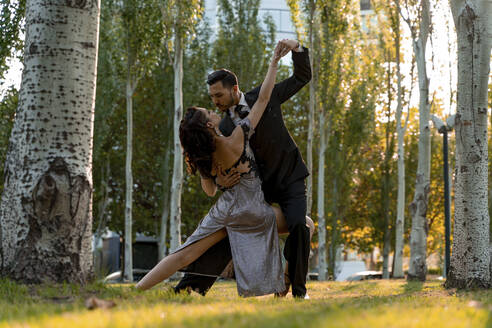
(128, 262)
(400, 132)
(470, 260)
(177, 183)
(386, 181)
(312, 106)
(418, 207)
(46, 206)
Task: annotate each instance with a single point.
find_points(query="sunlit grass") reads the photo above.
(394, 303)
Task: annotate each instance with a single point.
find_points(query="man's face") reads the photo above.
(221, 96)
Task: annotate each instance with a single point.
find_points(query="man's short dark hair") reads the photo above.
(228, 78)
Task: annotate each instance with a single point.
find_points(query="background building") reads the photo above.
(277, 9)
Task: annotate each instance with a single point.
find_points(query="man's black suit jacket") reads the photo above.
(278, 158)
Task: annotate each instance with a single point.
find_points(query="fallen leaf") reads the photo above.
(93, 303)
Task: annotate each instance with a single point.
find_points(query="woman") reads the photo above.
(241, 211)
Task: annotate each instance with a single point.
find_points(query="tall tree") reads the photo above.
(314, 58)
(401, 128)
(470, 261)
(45, 211)
(386, 171)
(108, 96)
(179, 19)
(309, 15)
(420, 28)
(177, 181)
(141, 44)
(349, 104)
(333, 27)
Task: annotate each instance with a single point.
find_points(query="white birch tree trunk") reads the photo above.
(389, 137)
(400, 210)
(400, 133)
(418, 207)
(334, 242)
(312, 109)
(128, 262)
(177, 183)
(470, 260)
(321, 199)
(46, 206)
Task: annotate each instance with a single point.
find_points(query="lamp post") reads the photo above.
(443, 129)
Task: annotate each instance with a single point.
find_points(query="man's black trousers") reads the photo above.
(292, 201)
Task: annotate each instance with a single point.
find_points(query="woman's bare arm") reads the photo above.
(258, 109)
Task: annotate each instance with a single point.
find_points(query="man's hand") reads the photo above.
(228, 180)
(290, 44)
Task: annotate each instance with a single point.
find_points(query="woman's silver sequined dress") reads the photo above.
(251, 227)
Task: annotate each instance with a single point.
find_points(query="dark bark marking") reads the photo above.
(50, 211)
(87, 45)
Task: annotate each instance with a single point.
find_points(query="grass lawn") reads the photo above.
(393, 303)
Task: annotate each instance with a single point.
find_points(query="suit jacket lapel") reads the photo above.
(251, 97)
(226, 125)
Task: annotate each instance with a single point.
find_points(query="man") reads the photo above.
(281, 168)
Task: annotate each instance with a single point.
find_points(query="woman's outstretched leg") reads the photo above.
(172, 263)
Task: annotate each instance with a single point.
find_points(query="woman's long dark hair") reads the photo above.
(197, 142)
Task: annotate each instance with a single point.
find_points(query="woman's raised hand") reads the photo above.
(280, 50)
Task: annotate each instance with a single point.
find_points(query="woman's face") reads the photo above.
(212, 117)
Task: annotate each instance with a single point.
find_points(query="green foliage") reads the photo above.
(180, 18)
(11, 27)
(242, 46)
(153, 107)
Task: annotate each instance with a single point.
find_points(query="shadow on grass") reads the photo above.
(413, 287)
(229, 309)
(25, 302)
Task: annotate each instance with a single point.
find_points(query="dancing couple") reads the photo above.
(250, 156)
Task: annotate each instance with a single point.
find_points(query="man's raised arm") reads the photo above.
(302, 72)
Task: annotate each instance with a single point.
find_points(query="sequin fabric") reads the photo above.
(251, 227)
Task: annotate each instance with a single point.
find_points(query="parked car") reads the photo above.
(365, 275)
(345, 269)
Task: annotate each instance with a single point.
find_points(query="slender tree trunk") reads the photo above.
(46, 207)
(387, 231)
(312, 108)
(321, 198)
(175, 224)
(470, 261)
(400, 211)
(128, 269)
(386, 183)
(418, 208)
(165, 203)
(334, 225)
(400, 132)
